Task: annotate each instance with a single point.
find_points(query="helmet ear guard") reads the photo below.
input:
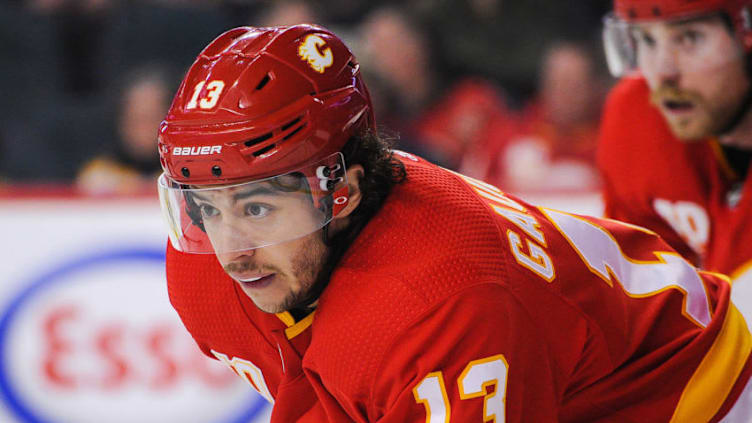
(333, 183)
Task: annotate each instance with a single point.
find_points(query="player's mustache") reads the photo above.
(247, 266)
(672, 93)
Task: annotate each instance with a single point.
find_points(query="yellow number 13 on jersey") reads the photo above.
(473, 382)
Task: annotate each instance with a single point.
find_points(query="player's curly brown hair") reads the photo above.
(381, 173)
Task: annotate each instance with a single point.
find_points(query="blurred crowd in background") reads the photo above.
(505, 91)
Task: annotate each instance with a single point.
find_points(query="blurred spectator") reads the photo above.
(79, 25)
(132, 164)
(168, 31)
(59, 58)
(286, 12)
(456, 127)
(504, 40)
(552, 146)
(437, 116)
(441, 72)
(33, 114)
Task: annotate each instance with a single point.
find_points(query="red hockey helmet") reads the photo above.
(620, 50)
(256, 105)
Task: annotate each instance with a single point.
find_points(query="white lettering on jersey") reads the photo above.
(485, 377)
(309, 51)
(604, 257)
(478, 378)
(249, 372)
(741, 291)
(197, 151)
(431, 392)
(537, 260)
(688, 219)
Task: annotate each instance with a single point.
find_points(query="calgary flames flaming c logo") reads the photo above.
(319, 59)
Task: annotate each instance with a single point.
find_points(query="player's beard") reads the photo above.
(705, 119)
(306, 268)
(689, 126)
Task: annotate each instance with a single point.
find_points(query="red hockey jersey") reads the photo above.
(458, 303)
(686, 192)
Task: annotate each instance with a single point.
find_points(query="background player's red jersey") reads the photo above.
(458, 303)
(685, 191)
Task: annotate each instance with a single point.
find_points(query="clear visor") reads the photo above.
(660, 47)
(254, 214)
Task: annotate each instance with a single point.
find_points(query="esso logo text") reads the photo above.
(97, 341)
(197, 151)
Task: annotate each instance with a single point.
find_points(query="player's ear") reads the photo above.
(354, 173)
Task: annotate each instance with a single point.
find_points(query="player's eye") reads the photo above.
(691, 37)
(257, 210)
(645, 39)
(207, 211)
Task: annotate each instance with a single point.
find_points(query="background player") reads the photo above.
(676, 139)
(347, 282)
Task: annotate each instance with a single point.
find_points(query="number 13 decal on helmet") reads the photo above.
(210, 98)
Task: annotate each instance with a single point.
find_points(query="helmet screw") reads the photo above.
(216, 170)
(185, 172)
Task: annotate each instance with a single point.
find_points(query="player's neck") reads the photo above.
(300, 313)
(741, 135)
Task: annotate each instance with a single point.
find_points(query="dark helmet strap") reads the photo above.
(325, 205)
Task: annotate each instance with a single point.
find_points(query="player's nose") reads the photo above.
(235, 257)
(667, 66)
(232, 236)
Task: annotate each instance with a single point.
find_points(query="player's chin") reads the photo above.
(690, 128)
(268, 301)
(267, 306)
(276, 303)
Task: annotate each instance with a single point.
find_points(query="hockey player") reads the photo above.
(676, 138)
(347, 282)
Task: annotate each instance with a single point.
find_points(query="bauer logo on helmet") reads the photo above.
(197, 151)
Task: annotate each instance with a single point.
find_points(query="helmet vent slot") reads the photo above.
(263, 150)
(254, 141)
(265, 80)
(288, 136)
(289, 124)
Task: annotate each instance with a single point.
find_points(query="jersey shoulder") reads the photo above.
(434, 229)
(431, 240)
(436, 245)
